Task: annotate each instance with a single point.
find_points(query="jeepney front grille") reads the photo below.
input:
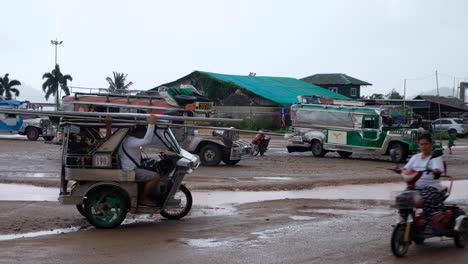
(241, 149)
(235, 135)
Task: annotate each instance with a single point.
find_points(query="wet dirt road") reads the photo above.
(280, 231)
(293, 231)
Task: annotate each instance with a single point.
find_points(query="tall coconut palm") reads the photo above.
(117, 85)
(6, 86)
(54, 80)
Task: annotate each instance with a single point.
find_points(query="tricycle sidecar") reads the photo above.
(102, 191)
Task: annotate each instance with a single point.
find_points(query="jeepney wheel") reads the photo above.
(32, 133)
(229, 162)
(317, 149)
(345, 154)
(179, 206)
(210, 155)
(106, 207)
(401, 152)
(48, 138)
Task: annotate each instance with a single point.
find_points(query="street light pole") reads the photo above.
(56, 43)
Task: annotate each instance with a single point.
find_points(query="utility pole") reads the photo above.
(438, 95)
(404, 94)
(56, 43)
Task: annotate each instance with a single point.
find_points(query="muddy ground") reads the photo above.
(22, 161)
(294, 231)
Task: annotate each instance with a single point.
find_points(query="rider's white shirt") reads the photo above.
(417, 163)
(132, 146)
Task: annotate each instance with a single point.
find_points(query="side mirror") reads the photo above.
(437, 153)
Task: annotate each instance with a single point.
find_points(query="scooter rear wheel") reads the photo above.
(461, 236)
(399, 246)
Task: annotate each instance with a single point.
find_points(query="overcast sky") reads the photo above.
(378, 41)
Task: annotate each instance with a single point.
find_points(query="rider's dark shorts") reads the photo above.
(144, 175)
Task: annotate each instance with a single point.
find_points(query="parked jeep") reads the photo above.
(37, 127)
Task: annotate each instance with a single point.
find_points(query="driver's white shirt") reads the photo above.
(132, 146)
(417, 163)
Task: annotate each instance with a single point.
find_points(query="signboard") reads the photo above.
(337, 137)
(204, 105)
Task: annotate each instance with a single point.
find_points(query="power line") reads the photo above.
(420, 78)
(451, 76)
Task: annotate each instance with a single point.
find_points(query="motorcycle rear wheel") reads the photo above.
(460, 237)
(399, 246)
(256, 150)
(262, 149)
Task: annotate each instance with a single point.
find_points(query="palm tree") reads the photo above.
(54, 80)
(6, 86)
(117, 85)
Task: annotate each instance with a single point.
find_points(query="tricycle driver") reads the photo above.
(130, 157)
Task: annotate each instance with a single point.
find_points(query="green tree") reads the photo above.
(394, 95)
(55, 80)
(376, 96)
(117, 85)
(7, 87)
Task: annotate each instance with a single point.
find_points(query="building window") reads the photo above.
(333, 89)
(353, 91)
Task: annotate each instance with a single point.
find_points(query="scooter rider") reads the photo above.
(432, 191)
(130, 157)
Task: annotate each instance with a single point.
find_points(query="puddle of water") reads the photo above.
(21, 192)
(274, 178)
(219, 199)
(302, 217)
(374, 212)
(23, 174)
(364, 192)
(205, 243)
(39, 233)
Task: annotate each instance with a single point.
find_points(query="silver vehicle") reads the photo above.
(103, 192)
(37, 127)
(454, 126)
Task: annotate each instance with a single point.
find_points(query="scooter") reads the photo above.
(261, 142)
(451, 222)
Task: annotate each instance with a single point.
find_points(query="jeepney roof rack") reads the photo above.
(328, 101)
(136, 96)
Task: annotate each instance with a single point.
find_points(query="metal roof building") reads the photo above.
(263, 90)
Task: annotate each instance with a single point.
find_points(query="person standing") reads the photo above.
(451, 142)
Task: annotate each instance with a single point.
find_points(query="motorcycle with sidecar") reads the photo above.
(102, 191)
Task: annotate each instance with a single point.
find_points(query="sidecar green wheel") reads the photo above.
(106, 207)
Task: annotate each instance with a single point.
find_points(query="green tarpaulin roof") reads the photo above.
(281, 90)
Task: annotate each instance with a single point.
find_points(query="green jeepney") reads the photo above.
(349, 127)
